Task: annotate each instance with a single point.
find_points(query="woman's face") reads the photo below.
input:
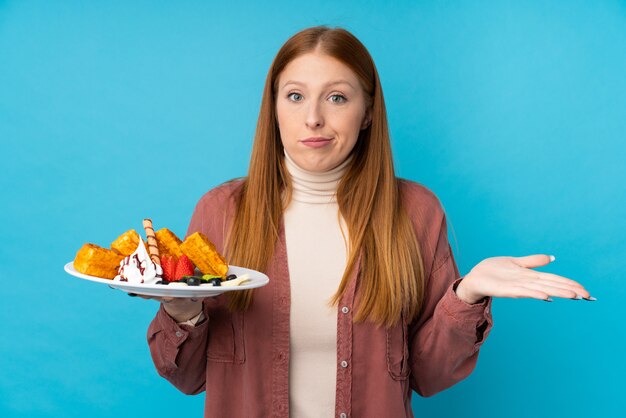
(321, 108)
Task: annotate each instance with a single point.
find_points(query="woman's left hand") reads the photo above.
(513, 277)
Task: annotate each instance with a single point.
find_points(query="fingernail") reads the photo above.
(578, 297)
(132, 294)
(552, 258)
(590, 299)
(548, 300)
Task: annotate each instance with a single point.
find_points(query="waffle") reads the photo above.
(169, 243)
(96, 261)
(203, 254)
(126, 243)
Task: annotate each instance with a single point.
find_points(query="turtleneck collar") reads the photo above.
(313, 187)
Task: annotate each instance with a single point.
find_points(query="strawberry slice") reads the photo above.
(184, 267)
(168, 264)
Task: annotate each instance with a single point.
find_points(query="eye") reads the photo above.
(295, 97)
(338, 98)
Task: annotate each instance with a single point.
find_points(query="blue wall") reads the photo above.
(514, 115)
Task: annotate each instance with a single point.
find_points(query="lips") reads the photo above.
(316, 142)
(316, 139)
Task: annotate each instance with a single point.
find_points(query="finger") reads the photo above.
(552, 290)
(155, 298)
(579, 290)
(148, 297)
(532, 261)
(525, 292)
(559, 279)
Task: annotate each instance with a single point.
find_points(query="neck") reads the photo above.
(314, 187)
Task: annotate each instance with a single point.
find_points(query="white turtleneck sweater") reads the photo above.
(317, 256)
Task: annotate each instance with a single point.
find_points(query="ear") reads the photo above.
(367, 119)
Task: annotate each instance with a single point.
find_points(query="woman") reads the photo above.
(365, 302)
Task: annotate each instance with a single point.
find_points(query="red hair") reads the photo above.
(391, 282)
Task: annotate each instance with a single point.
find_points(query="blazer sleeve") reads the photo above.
(444, 341)
(179, 351)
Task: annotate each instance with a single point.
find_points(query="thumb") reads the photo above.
(532, 261)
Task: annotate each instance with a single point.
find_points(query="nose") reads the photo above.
(314, 117)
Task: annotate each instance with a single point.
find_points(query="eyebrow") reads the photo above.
(331, 83)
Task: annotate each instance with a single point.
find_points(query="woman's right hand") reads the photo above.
(180, 309)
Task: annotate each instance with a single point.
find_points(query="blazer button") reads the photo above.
(344, 364)
(343, 415)
(345, 309)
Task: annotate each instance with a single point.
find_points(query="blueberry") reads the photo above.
(163, 282)
(193, 281)
(231, 277)
(215, 282)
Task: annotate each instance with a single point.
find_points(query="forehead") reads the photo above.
(315, 69)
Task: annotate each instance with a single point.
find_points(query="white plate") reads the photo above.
(257, 279)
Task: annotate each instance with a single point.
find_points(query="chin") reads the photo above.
(316, 163)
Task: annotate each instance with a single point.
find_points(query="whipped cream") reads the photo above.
(139, 268)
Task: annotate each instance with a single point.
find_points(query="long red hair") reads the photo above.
(391, 282)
